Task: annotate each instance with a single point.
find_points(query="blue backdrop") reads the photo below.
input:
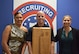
(63, 7)
(6, 7)
(68, 7)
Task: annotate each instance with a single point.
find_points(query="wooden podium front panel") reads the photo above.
(41, 40)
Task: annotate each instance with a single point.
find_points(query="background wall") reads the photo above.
(5, 16)
(70, 7)
(63, 7)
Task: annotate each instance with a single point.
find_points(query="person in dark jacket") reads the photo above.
(40, 23)
(67, 37)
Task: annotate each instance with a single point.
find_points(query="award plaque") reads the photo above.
(41, 40)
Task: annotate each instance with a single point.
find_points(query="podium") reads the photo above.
(41, 40)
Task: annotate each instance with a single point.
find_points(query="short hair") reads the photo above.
(40, 12)
(68, 16)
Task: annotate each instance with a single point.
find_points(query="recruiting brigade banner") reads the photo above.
(29, 9)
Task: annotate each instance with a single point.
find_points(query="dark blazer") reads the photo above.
(74, 44)
(78, 41)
